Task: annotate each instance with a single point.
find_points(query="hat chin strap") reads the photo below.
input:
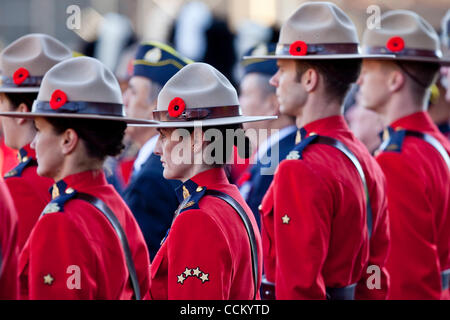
(410, 74)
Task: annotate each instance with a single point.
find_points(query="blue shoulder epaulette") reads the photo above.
(17, 171)
(395, 141)
(191, 202)
(297, 152)
(59, 199)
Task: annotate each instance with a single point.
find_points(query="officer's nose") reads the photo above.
(274, 80)
(158, 147)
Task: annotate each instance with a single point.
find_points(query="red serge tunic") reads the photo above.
(206, 254)
(29, 192)
(314, 227)
(418, 183)
(73, 251)
(9, 281)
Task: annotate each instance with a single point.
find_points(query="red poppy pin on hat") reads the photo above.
(298, 48)
(20, 76)
(58, 99)
(395, 44)
(176, 107)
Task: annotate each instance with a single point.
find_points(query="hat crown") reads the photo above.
(318, 23)
(35, 52)
(200, 86)
(81, 79)
(415, 31)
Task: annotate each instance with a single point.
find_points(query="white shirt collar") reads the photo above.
(145, 152)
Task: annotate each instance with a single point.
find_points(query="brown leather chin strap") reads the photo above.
(409, 74)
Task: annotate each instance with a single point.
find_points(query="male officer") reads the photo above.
(150, 197)
(317, 215)
(258, 98)
(414, 154)
(24, 63)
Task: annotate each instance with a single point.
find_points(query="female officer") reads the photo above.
(24, 63)
(86, 244)
(213, 248)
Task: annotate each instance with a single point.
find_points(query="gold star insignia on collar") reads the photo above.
(185, 192)
(293, 155)
(70, 190)
(48, 279)
(199, 189)
(55, 191)
(285, 219)
(24, 159)
(298, 137)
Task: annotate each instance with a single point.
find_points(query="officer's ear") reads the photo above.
(396, 80)
(310, 79)
(22, 108)
(69, 141)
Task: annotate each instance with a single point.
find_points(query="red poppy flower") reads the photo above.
(395, 44)
(176, 107)
(20, 75)
(58, 99)
(298, 48)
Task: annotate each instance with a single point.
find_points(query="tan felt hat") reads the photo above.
(407, 36)
(317, 30)
(25, 61)
(81, 88)
(197, 95)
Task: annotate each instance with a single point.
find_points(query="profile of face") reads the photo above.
(373, 85)
(49, 148)
(445, 74)
(290, 92)
(12, 128)
(256, 99)
(137, 102)
(177, 152)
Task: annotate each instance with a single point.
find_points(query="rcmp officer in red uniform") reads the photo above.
(86, 244)
(414, 154)
(24, 62)
(213, 248)
(327, 197)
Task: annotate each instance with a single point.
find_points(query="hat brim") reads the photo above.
(32, 115)
(19, 89)
(443, 62)
(319, 57)
(208, 122)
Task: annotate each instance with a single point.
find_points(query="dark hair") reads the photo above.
(16, 98)
(422, 75)
(240, 140)
(101, 137)
(338, 75)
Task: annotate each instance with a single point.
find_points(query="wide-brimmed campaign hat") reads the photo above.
(158, 62)
(316, 30)
(199, 95)
(78, 88)
(407, 36)
(26, 60)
